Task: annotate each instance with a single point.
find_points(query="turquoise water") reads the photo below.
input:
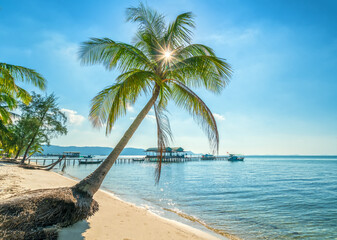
(260, 198)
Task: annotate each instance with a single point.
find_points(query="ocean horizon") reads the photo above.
(264, 197)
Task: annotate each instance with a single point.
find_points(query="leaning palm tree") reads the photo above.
(163, 63)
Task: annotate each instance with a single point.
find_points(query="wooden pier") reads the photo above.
(73, 161)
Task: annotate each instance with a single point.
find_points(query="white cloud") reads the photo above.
(73, 117)
(130, 108)
(151, 117)
(219, 117)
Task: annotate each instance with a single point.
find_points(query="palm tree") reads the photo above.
(162, 61)
(10, 92)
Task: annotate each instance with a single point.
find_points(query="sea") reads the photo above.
(263, 197)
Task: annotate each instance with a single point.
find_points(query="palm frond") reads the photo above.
(23, 95)
(193, 50)
(5, 116)
(164, 95)
(113, 54)
(150, 21)
(149, 44)
(164, 136)
(210, 72)
(187, 99)
(179, 31)
(4, 132)
(7, 81)
(23, 74)
(7, 100)
(112, 102)
(7, 103)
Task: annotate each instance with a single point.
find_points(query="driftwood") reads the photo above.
(47, 167)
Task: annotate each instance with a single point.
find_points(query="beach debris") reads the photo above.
(47, 167)
(38, 214)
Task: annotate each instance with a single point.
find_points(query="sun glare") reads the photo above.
(167, 54)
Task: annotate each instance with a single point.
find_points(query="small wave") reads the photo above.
(151, 209)
(194, 219)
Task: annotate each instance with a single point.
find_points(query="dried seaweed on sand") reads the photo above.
(39, 214)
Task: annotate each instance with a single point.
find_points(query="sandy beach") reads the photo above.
(115, 219)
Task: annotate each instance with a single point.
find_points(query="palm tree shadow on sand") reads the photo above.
(162, 63)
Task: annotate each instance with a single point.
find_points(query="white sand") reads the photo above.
(115, 219)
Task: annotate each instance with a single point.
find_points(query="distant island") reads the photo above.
(54, 149)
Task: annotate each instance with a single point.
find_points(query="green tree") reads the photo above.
(11, 93)
(162, 61)
(20, 134)
(42, 120)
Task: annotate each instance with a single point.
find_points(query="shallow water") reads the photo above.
(261, 198)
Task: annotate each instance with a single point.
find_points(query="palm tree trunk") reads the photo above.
(91, 183)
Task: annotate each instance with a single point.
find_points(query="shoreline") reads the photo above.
(116, 218)
(180, 216)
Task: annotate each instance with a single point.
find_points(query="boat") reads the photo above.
(208, 157)
(138, 159)
(70, 154)
(234, 158)
(90, 161)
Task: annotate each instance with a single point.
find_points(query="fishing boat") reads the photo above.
(234, 158)
(90, 161)
(208, 157)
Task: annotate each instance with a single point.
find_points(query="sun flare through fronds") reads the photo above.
(163, 61)
(167, 54)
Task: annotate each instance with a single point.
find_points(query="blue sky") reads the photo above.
(282, 98)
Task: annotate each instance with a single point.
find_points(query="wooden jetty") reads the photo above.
(73, 161)
(48, 160)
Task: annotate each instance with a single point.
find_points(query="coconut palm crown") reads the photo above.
(162, 61)
(10, 92)
(11, 74)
